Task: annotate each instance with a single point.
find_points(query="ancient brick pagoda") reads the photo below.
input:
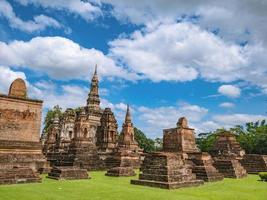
(182, 139)
(87, 137)
(71, 140)
(172, 168)
(227, 155)
(167, 170)
(126, 156)
(20, 150)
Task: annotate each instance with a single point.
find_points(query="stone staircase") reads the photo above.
(18, 175)
(230, 168)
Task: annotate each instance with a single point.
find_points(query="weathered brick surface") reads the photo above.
(20, 119)
(18, 175)
(166, 170)
(254, 163)
(182, 139)
(20, 150)
(179, 139)
(227, 155)
(18, 89)
(122, 162)
(203, 166)
(68, 173)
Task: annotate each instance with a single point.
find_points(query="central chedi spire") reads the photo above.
(93, 101)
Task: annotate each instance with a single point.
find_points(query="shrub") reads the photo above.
(263, 176)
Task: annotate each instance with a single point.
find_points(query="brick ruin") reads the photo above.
(182, 139)
(254, 163)
(180, 164)
(126, 155)
(167, 170)
(87, 138)
(21, 155)
(227, 155)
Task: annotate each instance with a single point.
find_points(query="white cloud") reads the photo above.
(85, 9)
(180, 52)
(227, 105)
(231, 120)
(234, 19)
(165, 50)
(229, 91)
(60, 58)
(38, 23)
(7, 76)
(153, 120)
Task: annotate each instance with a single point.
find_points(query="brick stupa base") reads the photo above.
(123, 162)
(18, 175)
(68, 173)
(120, 171)
(202, 166)
(254, 163)
(167, 171)
(230, 167)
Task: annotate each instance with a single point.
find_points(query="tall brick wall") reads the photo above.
(20, 119)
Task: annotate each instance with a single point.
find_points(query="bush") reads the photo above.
(263, 176)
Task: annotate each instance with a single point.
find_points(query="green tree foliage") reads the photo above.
(145, 143)
(205, 141)
(252, 137)
(51, 115)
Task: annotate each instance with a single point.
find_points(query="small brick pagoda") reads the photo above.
(166, 170)
(227, 155)
(172, 168)
(20, 150)
(125, 156)
(182, 139)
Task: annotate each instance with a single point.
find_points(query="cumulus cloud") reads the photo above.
(233, 19)
(60, 58)
(180, 52)
(227, 105)
(155, 119)
(7, 76)
(225, 43)
(85, 9)
(38, 23)
(229, 91)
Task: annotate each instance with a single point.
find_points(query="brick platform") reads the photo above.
(254, 163)
(230, 167)
(68, 173)
(167, 171)
(122, 162)
(18, 175)
(202, 166)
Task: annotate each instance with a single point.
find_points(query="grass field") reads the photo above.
(101, 187)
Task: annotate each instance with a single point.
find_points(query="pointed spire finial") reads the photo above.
(95, 70)
(128, 118)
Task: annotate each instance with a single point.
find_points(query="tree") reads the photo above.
(252, 138)
(51, 115)
(145, 143)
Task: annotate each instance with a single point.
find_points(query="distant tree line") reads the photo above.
(252, 137)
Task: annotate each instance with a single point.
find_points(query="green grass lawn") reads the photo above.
(102, 187)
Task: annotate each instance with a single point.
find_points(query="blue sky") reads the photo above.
(205, 60)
